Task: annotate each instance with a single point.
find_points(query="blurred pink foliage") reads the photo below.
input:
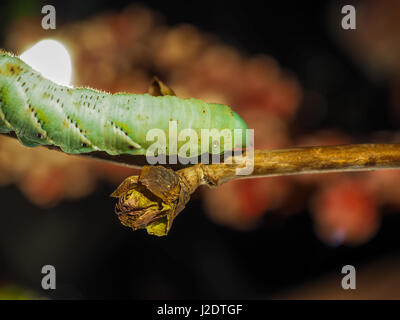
(345, 209)
(122, 51)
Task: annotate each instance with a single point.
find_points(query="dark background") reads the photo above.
(95, 257)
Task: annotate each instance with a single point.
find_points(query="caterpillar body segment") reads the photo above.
(82, 120)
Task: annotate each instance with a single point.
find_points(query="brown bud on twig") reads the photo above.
(153, 199)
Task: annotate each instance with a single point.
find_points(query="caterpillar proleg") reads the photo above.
(82, 120)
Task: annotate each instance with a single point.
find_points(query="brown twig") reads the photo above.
(267, 163)
(153, 199)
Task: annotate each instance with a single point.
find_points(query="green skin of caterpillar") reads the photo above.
(83, 120)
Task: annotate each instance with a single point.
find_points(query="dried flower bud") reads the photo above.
(151, 200)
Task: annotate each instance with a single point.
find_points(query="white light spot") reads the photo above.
(51, 59)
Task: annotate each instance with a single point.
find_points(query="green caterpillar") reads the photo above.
(83, 120)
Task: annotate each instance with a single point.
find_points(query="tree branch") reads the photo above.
(153, 199)
(267, 163)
